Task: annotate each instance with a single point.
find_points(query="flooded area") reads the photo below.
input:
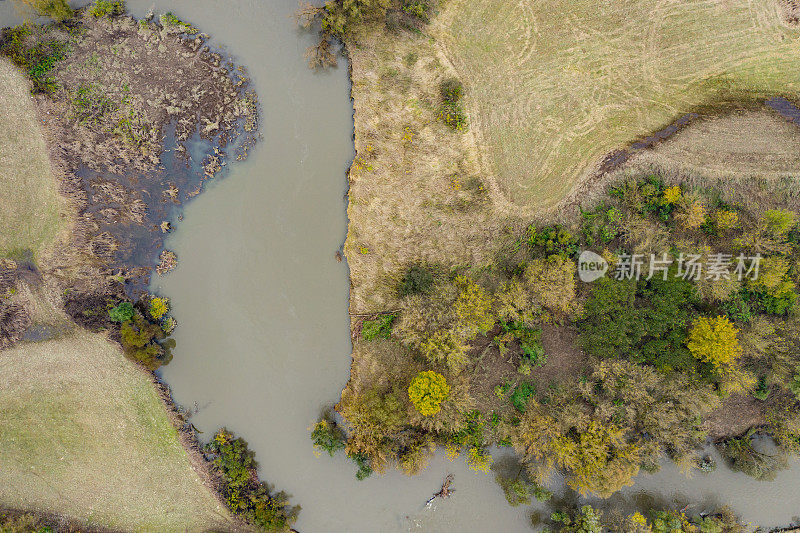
(263, 342)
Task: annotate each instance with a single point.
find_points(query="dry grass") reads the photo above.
(554, 86)
(755, 143)
(28, 190)
(85, 434)
(416, 190)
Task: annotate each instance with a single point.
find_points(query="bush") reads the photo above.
(553, 240)
(523, 391)
(32, 54)
(107, 8)
(450, 112)
(363, 463)
(473, 309)
(244, 494)
(380, 328)
(123, 312)
(778, 221)
(451, 91)
(417, 280)
(427, 391)
(140, 343)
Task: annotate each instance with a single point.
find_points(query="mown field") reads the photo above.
(570, 81)
(84, 434)
(28, 191)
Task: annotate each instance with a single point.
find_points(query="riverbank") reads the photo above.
(426, 208)
(79, 418)
(129, 117)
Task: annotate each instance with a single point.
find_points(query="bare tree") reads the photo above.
(307, 14)
(321, 55)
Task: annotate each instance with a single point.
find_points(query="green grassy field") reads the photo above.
(28, 191)
(84, 434)
(552, 87)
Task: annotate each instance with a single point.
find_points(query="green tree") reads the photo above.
(123, 312)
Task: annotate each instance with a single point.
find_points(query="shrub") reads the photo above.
(672, 194)
(794, 383)
(726, 220)
(417, 280)
(107, 8)
(123, 312)
(588, 520)
(523, 391)
(601, 225)
(737, 307)
(33, 54)
(139, 340)
(553, 240)
(479, 459)
(244, 494)
(380, 328)
(427, 391)
(169, 20)
(416, 8)
(551, 284)
(363, 463)
(342, 18)
(451, 91)
(450, 111)
(762, 389)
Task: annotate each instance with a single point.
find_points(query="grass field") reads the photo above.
(28, 191)
(85, 434)
(755, 143)
(571, 81)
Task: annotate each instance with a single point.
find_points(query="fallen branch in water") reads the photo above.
(445, 492)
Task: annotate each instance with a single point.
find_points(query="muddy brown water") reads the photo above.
(263, 341)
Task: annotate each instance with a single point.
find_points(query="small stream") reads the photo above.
(263, 343)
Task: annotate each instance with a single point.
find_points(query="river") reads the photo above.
(263, 338)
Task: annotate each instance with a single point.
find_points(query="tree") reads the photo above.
(714, 341)
(427, 391)
(598, 459)
(159, 307)
(123, 312)
(473, 308)
(588, 520)
(551, 284)
(444, 346)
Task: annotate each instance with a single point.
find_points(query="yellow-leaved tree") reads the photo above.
(715, 341)
(427, 392)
